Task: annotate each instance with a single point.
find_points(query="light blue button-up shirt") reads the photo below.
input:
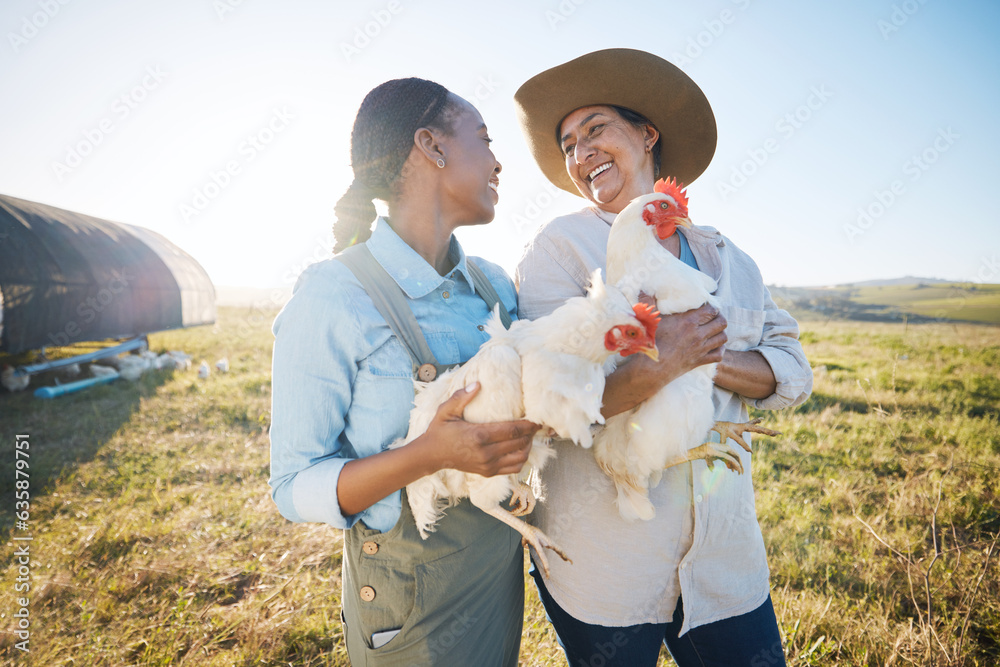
(342, 384)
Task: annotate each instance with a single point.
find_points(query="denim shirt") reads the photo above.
(342, 383)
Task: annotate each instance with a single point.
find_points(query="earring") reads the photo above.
(441, 162)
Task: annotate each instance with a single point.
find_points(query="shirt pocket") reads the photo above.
(391, 359)
(744, 327)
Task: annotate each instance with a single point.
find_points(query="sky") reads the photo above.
(857, 140)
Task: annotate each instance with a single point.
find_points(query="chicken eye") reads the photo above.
(664, 206)
(631, 333)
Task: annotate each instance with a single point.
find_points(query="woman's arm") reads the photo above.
(499, 448)
(746, 373)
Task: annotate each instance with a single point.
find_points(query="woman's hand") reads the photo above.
(688, 340)
(498, 448)
(685, 341)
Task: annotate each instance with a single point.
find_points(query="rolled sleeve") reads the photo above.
(782, 350)
(313, 369)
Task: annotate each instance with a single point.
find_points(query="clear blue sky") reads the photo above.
(132, 110)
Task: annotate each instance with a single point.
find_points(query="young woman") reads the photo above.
(603, 127)
(343, 389)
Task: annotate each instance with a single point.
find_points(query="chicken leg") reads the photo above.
(530, 535)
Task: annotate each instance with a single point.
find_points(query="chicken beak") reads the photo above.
(683, 222)
(651, 352)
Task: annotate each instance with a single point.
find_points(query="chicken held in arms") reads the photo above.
(672, 426)
(549, 371)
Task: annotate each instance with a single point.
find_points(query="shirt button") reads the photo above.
(367, 593)
(481, 327)
(370, 548)
(698, 498)
(426, 372)
(445, 294)
(684, 566)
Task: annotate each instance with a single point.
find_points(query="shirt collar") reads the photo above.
(411, 272)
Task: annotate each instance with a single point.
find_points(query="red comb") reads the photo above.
(648, 316)
(672, 188)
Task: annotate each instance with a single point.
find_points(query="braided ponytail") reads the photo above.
(381, 141)
(355, 213)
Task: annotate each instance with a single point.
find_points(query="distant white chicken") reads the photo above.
(131, 367)
(99, 371)
(12, 381)
(222, 365)
(203, 370)
(547, 370)
(182, 360)
(670, 427)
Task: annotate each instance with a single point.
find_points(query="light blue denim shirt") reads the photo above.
(342, 383)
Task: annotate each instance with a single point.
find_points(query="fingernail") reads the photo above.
(471, 386)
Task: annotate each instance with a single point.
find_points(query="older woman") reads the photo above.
(604, 127)
(343, 389)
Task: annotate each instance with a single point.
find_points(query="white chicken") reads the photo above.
(549, 371)
(670, 427)
(12, 381)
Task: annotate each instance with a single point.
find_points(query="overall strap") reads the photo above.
(484, 288)
(392, 305)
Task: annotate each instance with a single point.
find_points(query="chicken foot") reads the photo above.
(522, 500)
(735, 431)
(710, 452)
(529, 535)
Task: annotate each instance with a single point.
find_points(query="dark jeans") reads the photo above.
(750, 640)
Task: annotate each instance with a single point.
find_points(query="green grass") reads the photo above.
(156, 542)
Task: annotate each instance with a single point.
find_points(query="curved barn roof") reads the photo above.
(66, 277)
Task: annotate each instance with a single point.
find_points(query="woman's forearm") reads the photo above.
(363, 482)
(746, 373)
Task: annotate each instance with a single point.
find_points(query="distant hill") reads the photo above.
(918, 300)
(905, 280)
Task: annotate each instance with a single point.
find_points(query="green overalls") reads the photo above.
(457, 598)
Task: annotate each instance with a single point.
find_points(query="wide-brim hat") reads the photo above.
(628, 78)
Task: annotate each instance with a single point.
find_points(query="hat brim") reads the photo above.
(628, 78)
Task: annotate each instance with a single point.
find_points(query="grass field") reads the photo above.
(154, 540)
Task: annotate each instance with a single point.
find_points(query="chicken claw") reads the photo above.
(712, 451)
(735, 431)
(530, 536)
(522, 500)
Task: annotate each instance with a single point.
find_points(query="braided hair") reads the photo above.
(380, 145)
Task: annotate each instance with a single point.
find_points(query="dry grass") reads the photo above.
(155, 541)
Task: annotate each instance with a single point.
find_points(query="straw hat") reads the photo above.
(626, 78)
